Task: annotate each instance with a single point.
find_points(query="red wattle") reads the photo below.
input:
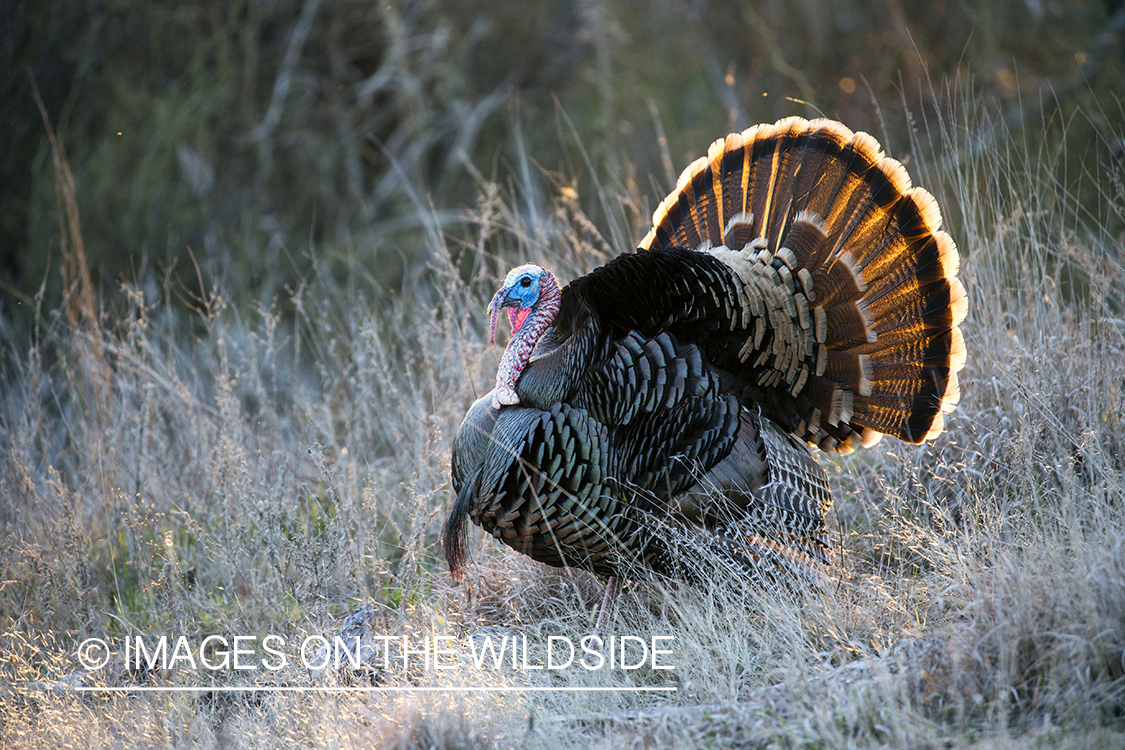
(517, 317)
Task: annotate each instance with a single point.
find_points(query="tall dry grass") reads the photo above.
(290, 461)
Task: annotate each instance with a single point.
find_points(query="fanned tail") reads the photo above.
(851, 302)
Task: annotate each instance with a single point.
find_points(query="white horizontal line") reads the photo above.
(343, 689)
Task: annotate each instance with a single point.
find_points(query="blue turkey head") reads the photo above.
(519, 293)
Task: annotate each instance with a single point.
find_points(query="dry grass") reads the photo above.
(275, 470)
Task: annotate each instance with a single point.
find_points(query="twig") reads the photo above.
(264, 132)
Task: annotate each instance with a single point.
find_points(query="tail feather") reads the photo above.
(812, 212)
(706, 210)
(806, 238)
(849, 325)
(739, 231)
(838, 282)
(778, 158)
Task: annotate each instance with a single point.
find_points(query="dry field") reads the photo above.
(271, 467)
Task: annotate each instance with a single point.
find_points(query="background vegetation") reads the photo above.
(244, 256)
(257, 134)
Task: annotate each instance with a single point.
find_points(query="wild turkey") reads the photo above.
(794, 289)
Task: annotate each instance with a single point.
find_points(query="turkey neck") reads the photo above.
(518, 351)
